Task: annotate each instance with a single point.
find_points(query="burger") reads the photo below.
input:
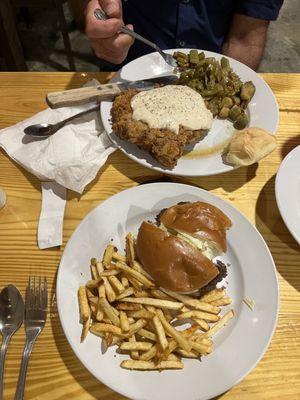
(178, 251)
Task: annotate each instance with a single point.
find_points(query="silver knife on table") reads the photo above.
(74, 97)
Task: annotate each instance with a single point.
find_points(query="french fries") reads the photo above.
(119, 257)
(172, 305)
(160, 332)
(102, 327)
(135, 274)
(123, 306)
(110, 294)
(225, 301)
(150, 365)
(125, 282)
(109, 273)
(186, 354)
(143, 346)
(128, 307)
(94, 272)
(200, 347)
(101, 291)
(127, 292)
(213, 295)
(147, 334)
(141, 314)
(199, 314)
(227, 317)
(148, 355)
(173, 332)
(107, 256)
(124, 323)
(135, 327)
(99, 312)
(134, 354)
(99, 268)
(85, 329)
(109, 311)
(194, 303)
(84, 310)
(116, 284)
(130, 253)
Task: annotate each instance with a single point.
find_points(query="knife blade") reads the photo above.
(74, 97)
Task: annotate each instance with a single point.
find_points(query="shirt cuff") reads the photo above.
(260, 9)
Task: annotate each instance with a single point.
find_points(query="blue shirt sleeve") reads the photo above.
(261, 9)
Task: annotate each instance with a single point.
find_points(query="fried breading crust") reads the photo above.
(164, 145)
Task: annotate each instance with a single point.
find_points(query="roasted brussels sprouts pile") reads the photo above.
(225, 95)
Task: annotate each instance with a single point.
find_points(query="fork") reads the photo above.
(35, 318)
(100, 14)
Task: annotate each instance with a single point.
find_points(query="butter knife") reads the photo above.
(74, 97)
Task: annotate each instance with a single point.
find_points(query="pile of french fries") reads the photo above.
(123, 306)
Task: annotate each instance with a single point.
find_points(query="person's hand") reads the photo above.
(107, 43)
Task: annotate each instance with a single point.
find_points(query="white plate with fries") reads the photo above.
(205, 157)
(127, 310)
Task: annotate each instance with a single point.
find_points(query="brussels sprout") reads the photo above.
(236, 100)
(194, 59)
(227, 102)
(225, 63)
(224, 112)
(241, 122)
(247, 91)
(234, 112)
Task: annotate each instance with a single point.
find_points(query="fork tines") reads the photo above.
(36, 293)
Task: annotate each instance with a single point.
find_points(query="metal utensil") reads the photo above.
(100, 14)
(36, 299)
(11, 318)
(46, 130)
(106, 92)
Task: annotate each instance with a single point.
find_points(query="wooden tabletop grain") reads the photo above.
(54, 371)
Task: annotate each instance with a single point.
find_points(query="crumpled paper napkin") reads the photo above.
(69, 159)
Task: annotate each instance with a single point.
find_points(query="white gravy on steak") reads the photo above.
(170, 106)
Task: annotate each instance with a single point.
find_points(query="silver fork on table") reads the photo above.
(100, 14)
(35, 318)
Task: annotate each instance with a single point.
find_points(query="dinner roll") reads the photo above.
(249, 146)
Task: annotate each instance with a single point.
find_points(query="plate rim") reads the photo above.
(171, 172)
(115, 387)
(279, 200)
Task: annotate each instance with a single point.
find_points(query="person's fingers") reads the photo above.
(112, 8)
(123, 40)
(130, 26)
(108, 55)
(100, 29)
(113, 49)
(117, 48)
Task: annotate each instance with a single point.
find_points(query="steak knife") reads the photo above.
(74, 97)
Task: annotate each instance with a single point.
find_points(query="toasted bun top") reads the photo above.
(173, 263)
(199, 219)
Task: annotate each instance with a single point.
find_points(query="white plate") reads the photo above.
(287, 190)
(237, 348)
(262, 110)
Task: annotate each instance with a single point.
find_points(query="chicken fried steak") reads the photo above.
(164, 145)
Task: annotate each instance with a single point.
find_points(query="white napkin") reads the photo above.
(71, 158)
(50, 229)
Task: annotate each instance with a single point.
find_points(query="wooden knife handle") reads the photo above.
(75, 97)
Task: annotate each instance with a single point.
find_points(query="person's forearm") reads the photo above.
(246, 40)
(250, 55)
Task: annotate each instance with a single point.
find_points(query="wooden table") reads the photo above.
(54, 371)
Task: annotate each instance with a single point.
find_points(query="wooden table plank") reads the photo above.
(54, 371)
